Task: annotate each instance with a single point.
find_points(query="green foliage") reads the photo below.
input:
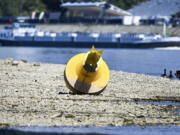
(9, 7)
(28, 6)
(52, 5)
(25, 7)
(126, 4)
(20, 7)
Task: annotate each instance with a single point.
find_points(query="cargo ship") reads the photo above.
(24, 34)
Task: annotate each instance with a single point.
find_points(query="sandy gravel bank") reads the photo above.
(34, 94)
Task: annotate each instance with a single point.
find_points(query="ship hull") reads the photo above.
(89, 44)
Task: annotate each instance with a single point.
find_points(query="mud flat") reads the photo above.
(34, 94)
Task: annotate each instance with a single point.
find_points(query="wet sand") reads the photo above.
(34, 94)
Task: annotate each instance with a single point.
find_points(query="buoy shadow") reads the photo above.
(82, 86)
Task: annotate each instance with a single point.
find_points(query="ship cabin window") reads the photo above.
(27, 26)
(23, 25)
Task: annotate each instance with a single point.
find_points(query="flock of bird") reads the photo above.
(171, 76)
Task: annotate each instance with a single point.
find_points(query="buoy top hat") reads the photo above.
(87, 73)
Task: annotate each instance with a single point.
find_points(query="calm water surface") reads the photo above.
(144, 61)
(131, 130)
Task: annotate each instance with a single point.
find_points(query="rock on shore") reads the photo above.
(34, 94)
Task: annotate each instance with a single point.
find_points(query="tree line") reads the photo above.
(26, 7)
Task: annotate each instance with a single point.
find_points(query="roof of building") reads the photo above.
(156, 8)
(95, 7)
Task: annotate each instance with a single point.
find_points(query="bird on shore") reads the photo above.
(170, 74)
(87, 73)
(164, 74)
(177, 74)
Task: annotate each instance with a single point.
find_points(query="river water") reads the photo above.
(131, 130)
(143, 61)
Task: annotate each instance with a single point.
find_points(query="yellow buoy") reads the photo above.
(87, 73)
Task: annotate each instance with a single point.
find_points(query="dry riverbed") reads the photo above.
(34, 94)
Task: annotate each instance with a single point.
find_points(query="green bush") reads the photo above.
(25, 7)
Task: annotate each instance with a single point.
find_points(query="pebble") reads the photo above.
(36, 64)
(15, 63)
(50, 103)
